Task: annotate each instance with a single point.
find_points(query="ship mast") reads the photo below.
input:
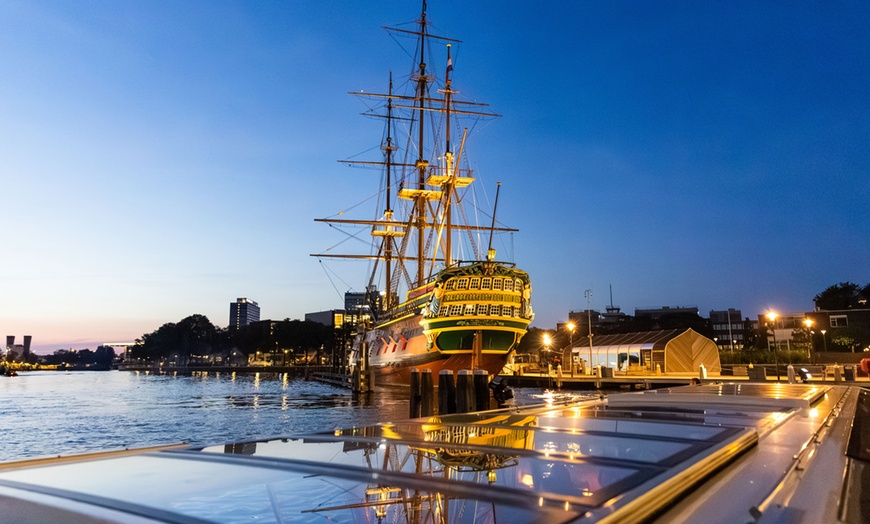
(422, 163)
(421, 184)
(389, 148)
(448, 159)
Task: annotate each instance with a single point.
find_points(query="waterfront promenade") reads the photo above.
(640, 380)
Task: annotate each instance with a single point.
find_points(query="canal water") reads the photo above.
(53, 413)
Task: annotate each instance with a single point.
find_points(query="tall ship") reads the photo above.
(438, 297)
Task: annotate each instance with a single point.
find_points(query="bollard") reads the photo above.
(702, 372)
(658, 369)
(790, 373)
(415, 394)
(446, 392)
(427, 392)
(559, 376)
(481, 390)
(838, 377)
(464, 392)
(849, 373)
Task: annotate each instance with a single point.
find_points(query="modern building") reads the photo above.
(333, 318)
(19, 352)
(581, 320)
(780, 333)
(840, 330)
(657, 313)
(728, 329)
(243, 312)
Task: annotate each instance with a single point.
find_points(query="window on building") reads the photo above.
(475, 283)
(482, 309)
(506, 311)
(494, 310)
(509, 285)
(496, 284)
(456, 310)
(450, 285)
(839, 321)
(463, 283)
(486, 283)
(469, 309)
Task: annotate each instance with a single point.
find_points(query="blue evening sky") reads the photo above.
(160, 159)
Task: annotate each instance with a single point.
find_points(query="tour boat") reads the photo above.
(461, 308)
(733, 452)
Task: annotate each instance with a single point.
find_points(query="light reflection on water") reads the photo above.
(53, 413)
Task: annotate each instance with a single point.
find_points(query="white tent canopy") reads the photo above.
(675, 351)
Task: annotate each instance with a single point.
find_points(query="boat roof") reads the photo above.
(631, 457)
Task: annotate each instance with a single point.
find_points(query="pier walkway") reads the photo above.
(635, 380)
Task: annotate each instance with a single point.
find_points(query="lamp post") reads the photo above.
(730, 334)
(588, 294)
(772, 317)
(570, 326)
(547, 341)
(808, 322)
(825, 340)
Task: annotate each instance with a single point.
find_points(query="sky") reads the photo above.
(160, 159)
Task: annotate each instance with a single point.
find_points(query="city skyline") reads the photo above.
(159, 160)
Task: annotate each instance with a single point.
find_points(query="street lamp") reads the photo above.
(772, 317)
(808, 322)
(825, 340)
(547, 341)
(588, 294)
(570, 326)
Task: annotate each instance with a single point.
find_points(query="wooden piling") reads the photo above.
(415, 394)
(446, 392)
(357, 384)
(427, 393)
(481, 390)
(464, 392)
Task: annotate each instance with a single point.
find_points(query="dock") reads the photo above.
(832, 374)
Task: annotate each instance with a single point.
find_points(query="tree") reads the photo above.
(802, 338)
(845, 295)
(104, 356)
(845, 339)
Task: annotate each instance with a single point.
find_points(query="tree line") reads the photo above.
(101, 358)
(195, 340)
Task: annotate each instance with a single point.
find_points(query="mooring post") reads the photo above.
(427, 392)
(481, 390)
(464, 392)
(415, 393)
(446, 392)
(356, 380)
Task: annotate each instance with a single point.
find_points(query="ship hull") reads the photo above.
(469, 317)
(400, 374)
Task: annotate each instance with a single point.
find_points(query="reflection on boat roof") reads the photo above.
(628, 456)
